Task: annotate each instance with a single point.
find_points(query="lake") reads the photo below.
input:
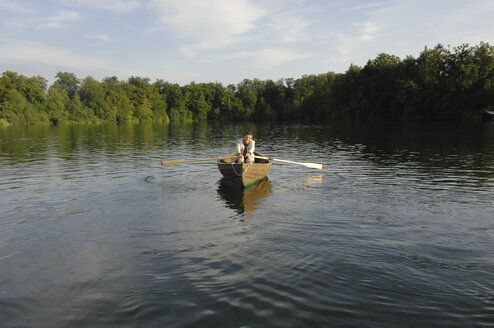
(397, 230)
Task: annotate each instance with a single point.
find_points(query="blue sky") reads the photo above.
(226, 41)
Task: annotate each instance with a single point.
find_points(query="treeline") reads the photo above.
(441, 84)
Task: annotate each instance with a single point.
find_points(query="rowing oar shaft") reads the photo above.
(311, 165)
(178, 161)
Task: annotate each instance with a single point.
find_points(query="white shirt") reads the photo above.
(241, 147)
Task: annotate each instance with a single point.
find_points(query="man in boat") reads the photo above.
(245, 149)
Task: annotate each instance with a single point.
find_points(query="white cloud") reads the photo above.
(208, 24)
(101, 37)
(404, 28)
(14, 16)
(484, 6)
(349, 44)
(367, 34)
(190, 50)
(13, 6)
(59, 21)
(367, 30)
(42, 54)
(119, 6)
(267, 58)
(288, 27)
(370, 6)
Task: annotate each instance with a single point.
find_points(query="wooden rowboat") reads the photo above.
(244, 174)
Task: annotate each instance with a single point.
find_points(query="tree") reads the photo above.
(158, 102)
(247, 93)
(34, 90)
(143, 111)
(56, 104)
(13, 106)
(93, 96)
(22, 98)
(175, 99)
(68, 82)
(441, 84)
(116, 100)
(195, 101)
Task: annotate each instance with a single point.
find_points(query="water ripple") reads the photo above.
(396, 230)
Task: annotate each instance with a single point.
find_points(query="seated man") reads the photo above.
(245, 149)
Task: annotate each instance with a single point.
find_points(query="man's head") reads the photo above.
(247, 138)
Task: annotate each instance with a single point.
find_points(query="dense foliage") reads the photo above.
(441, 84)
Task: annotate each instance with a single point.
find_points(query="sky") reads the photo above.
(227, 41)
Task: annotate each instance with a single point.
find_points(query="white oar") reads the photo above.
(311, 165)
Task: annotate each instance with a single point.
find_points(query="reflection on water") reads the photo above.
(313, 180)
(398, 232)
(244, 200)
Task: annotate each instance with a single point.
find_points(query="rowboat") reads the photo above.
(244, 174)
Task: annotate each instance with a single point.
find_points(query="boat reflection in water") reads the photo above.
(244, 200)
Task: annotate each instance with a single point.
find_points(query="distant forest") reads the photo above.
(442, 84)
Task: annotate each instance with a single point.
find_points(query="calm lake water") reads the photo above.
(396, 231)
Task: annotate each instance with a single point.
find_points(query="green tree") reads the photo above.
(247, 93)
(158, 102)
(56, 104)
(175, 99)
(22, 98)
(143, 111)
(92, 96)
(13, 106)
(441, 84)
(34, 90)
(68, 82)
(195, 101)
(116, 100)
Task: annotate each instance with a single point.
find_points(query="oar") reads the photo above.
(311, 165)
(178, 161)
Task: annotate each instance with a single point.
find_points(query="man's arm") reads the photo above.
(252, 147)
(239, 147)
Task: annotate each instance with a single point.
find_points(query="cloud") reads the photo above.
(190, 50)
(403, 28)
(267, 58)
(42, 54)
(14, 16)
(59, 21)
(119, 6)
(288, 27)
(101, 37)
(348, 44)
(367, 30)
(208, 24)
(14, 7)
(369, 6)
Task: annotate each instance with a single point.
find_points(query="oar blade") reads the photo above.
(313, 166)
(310, 165)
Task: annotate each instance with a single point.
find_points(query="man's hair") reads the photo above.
(248, 134)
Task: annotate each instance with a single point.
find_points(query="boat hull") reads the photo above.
(244, 174)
